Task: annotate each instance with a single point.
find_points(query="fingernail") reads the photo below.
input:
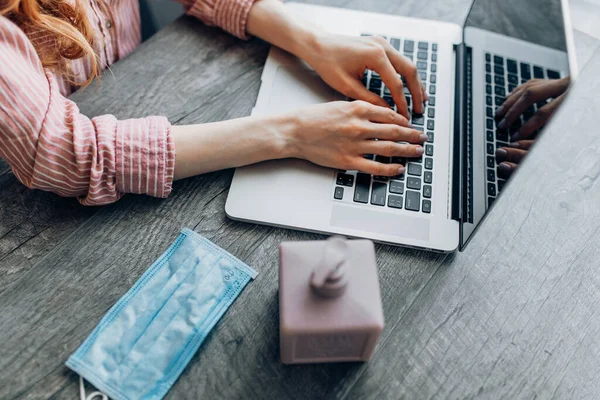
(423, 137)
(515, 145)
(505, 168)
(401, 170)
(501, 153)
(502, 124)
(516, 136)
(419, 150)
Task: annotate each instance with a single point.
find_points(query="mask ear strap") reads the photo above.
(92, 395)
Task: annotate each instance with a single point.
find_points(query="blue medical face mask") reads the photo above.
(146, 339)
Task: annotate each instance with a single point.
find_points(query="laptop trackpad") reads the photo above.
(296, 87)
(360, 219)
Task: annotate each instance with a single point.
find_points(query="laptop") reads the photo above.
(443, 196)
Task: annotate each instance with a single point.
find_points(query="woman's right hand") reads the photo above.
(339, 134)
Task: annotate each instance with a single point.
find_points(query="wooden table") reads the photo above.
(512, 317)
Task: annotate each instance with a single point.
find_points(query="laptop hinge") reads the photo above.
(457, 162)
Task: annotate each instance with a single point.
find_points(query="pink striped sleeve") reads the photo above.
(230, 15)
(51, 146)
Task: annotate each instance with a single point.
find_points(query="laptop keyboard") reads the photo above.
(412, 190)
(502, 76)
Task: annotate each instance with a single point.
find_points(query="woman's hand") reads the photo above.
(339, 134)
(526, 95)
(339, 60)
(510, 157)
(342, 60)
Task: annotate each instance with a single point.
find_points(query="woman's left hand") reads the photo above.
(342, 60)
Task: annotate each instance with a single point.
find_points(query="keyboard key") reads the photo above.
(492, 189)
(511, 88)
(423, 45)
(491, 162)
(432, 89)
(488, 89)
(525, 71)
(395, 201)
(428, 150)
(511, 66)
(408, 100)
(501, 184)
(489, 112)
(434, 47)
(380, 178)
(433, 78)
(499, 91)
(375, 83)
(489, 123)
(422, 65)
(413, 183)
(423, 75)
(488, 57)
(426, 206)
(431, 101)
(490, 148)
(418, 119)
(339, 193)
(409, 56)
(382, 159)
(491, 175)
(498, 70)
(389, 100)
(552, 74)
(488, 68)
(369, 156)
(430, 125)
(490, 136)
(429, 163)
(428, 177)
(488, 100)
(379, 193)
(395, 43)
(422, 55)
(430, 137)
(433, 67)
(498, 60)
(414, 169)
(409, 46)
(361, 191)
(386, 91)
(434, 57)
(412, 200)
(499, 100)
(502, 135)
(488, 78)
(377, 91)
(538, 72)
(498, 80)
(345, 179)
(427, 191)
(513, 79)
(396, 187)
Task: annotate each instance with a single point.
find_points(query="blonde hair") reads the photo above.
(60, 32)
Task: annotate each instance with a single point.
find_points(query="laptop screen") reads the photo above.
(515, 77)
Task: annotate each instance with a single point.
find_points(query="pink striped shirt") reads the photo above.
(51, 146)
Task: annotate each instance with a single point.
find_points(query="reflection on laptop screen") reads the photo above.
(516, 75)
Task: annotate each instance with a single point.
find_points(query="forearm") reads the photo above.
(270, 21)
(229, 144)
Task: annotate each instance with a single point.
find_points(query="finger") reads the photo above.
(408, 70)
(539, 119)
(530, 95)
(510, 154)
(506, 169)
(357, 91)
(390, 149)
(378, 169)
(425, 96)
(510, 100)
(384, 115)
(522, 144)
(395, 133)
(391, 79)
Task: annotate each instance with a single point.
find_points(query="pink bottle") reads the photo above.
(329, 301)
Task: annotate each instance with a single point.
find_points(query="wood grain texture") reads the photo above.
(513, 317)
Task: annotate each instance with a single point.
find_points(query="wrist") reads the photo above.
(283, 136)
